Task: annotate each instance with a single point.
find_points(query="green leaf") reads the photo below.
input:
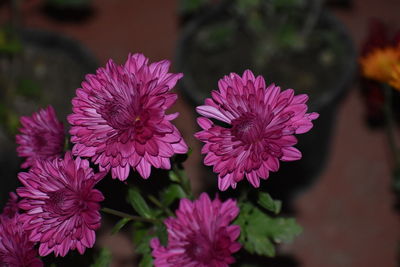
(283, 229)
(257, 238)
(173, 176)
(259, 231)
(141, 237)
(138, 203)
(162, 234)
(144, 246)
(118, 226)
(146, 261)
(266, 201)
(103, 259)
(172, 193)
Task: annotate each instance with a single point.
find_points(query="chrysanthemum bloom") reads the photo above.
(15, 248)
(11, 208)
(200, 236)
(261, 123)
(395, 77)
(62, 208)
(42, 137)
(378, 64)
(119, 117)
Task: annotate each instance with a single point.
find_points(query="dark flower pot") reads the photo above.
(203, 68)
(69, 11)
(56, 65)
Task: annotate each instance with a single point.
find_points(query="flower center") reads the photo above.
(200, 248)
(247, 128)
(39, 141)
(65, 201)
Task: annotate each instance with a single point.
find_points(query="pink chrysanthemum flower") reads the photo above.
(200, 236)
(62, 208)
(262, 123)
(11, 208)
(42, 137)
(15, 248)
(119, 117)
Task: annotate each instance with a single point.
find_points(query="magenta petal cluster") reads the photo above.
(42, 137)
(261, 123)
(200, 236)
(62, 208)
(15, 248)
(11, 208)
(119, 117)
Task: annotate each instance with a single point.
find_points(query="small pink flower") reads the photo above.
(42, 137)
(62, 208)
(261, 122)
(200, 236)
(11, 208)
(119, 117)
(15, 248)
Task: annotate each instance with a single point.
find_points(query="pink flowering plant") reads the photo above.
(120, 129)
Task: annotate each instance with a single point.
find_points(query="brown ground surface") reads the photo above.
(347, 215)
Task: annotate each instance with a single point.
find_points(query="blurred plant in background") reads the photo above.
(378, 39)
(380, 64)
(278, 27)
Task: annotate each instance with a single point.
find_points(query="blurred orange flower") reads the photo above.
(395, 77)
(378, 65)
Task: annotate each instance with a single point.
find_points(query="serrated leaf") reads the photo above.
(266, 201)
(146, 261)
(284, 229)
(138, 203)
(259, 231)
(257, 238)
(261, 246)
(172, 193)
(118, 226)
(103, 259)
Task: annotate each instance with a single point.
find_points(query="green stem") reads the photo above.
(183, 180)
(126, 215)
(390, 127)
(160, 205)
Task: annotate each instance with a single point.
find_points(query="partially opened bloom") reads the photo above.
(379, 63)
(11, 208)
(15, 248)
(200, 236)
(62, 208)
(119, 117)
(261, 123)
(42, 137)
